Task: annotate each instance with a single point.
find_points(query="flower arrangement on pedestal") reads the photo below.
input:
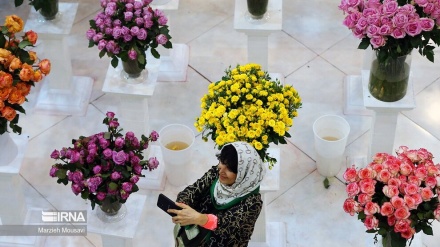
(125, 29)
(246, 105)
(104, 166)
(395, 196)
(19, 70)
(394, 28)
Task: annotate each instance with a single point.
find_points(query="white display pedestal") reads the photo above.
(173, 62)
(120, 233)
(383, 128)
(61, 93)
(155, 179)
(258, 31)
(11, 192)
(269, 233)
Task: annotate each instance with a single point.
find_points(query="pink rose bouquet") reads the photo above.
(394, 28)
(104, 165)
(395, 196)
(125, 29)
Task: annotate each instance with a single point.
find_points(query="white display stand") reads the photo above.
(120, 233)
(383, 128)
(61, 93)
(269, 233)
(173, 62)
(258, 30)
(155, 179)
(11, 192)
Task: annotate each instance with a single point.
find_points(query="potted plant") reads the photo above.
(47, 8)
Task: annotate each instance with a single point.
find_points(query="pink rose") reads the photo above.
(412, 179)
(426, 194)
(364, 198)
(55, 154)
(371, 222)
(390, 7)
(367, 186)
(100, 196)
(402, 213)
(390, 191)
(115, 175)
(127, 186)
(351, 206)
(372, 31)
(108, 153)
(371, 208)
(391, 220)
(411, 189)
(76, 188)
(427, 24)
(134, 179)
(408, 233)
(377, 41)
(431, 182)
(119, 142)
(366, 173)
(154, 136)
(437, 213)
(352, 189)
(387, 209)
(350, 175)
(384, 176)
(410, 202)
(402, 225)
(413, 28)
(433, 170)
(397, 202)
(53, 171)
(421, 172)
(124, 194)
(394, 182)
(398, 33)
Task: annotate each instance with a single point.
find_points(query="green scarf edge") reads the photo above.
(233, 202)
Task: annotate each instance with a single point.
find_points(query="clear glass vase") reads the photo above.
(49, 10)
(389, 79)
(111, 211)
(257, 8)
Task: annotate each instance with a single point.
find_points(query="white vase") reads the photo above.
(8, 150)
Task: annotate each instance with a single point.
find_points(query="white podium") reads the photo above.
(60, 93)
(173, 62)
(258, 31)
(383, 128)
(265, 233)
(120, 233)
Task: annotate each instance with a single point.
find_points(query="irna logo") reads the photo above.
(64, 216)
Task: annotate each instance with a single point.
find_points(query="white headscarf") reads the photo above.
(250, 173)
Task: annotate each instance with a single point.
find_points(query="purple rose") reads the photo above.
(128, 37)
(63, 152)
(161, 39)
(74, 157)
(90, 158)
(115, 176)
(103, 143)
(93, 183)
(111, 46)
(135, 142)
(138, 12)
(124, 195)
(108, 153)
(108, 31)
(162, 20)
(53, 171)
(117, 23)
(103, 3)
(146, 2)
(377, 41)
(97, 169)
(426, 24)
(101, 44)
(108, 22)
(90, 33)
(113, 124)
(76, 188)
(110, 115)
(127, 186)
(142, 35)
(148, 23)
(385, 30)
(139, 21)
(135, 160)
(119, 142)
(137, 169)
(134, 31)
(158, 13)
(148, 14)
(390, 7)
(372, 31)
(400, 19)
(55, 154)
(99, 21)
(128, 16)
(76, 177)
(119, 157)
(153, 163)
(129, 7)
(129, 135)
(117, 32)
(134, 179)
(138, 5)
(125, 30)
(154, 135)
(100, 196)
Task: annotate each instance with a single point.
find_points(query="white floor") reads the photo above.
(314, 52)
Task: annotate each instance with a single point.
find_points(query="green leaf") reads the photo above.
(365, 43)
(2, 41)
(112, 186)
(427, 230)
(326, 183)
(155, 53)
(61, 173)
(18, 2)
(85, 195)
(24, 43)
(114, 62)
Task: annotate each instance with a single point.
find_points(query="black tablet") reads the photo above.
(166, 203)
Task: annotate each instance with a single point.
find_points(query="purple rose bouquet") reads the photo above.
(104, 165)
(394, 28)
(125, 29)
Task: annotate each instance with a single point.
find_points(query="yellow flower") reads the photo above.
(14, 23)
(258, 145)
(249, 96)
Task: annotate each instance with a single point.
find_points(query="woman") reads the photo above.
(225, 200)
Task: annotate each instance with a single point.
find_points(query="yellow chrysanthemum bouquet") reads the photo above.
(246, 105)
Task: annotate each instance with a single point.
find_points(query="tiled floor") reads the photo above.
(314, 52)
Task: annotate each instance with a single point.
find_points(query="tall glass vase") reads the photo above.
(389, 79)
(49, 10)
(257, 8)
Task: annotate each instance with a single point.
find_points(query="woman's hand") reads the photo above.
(188, 216)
